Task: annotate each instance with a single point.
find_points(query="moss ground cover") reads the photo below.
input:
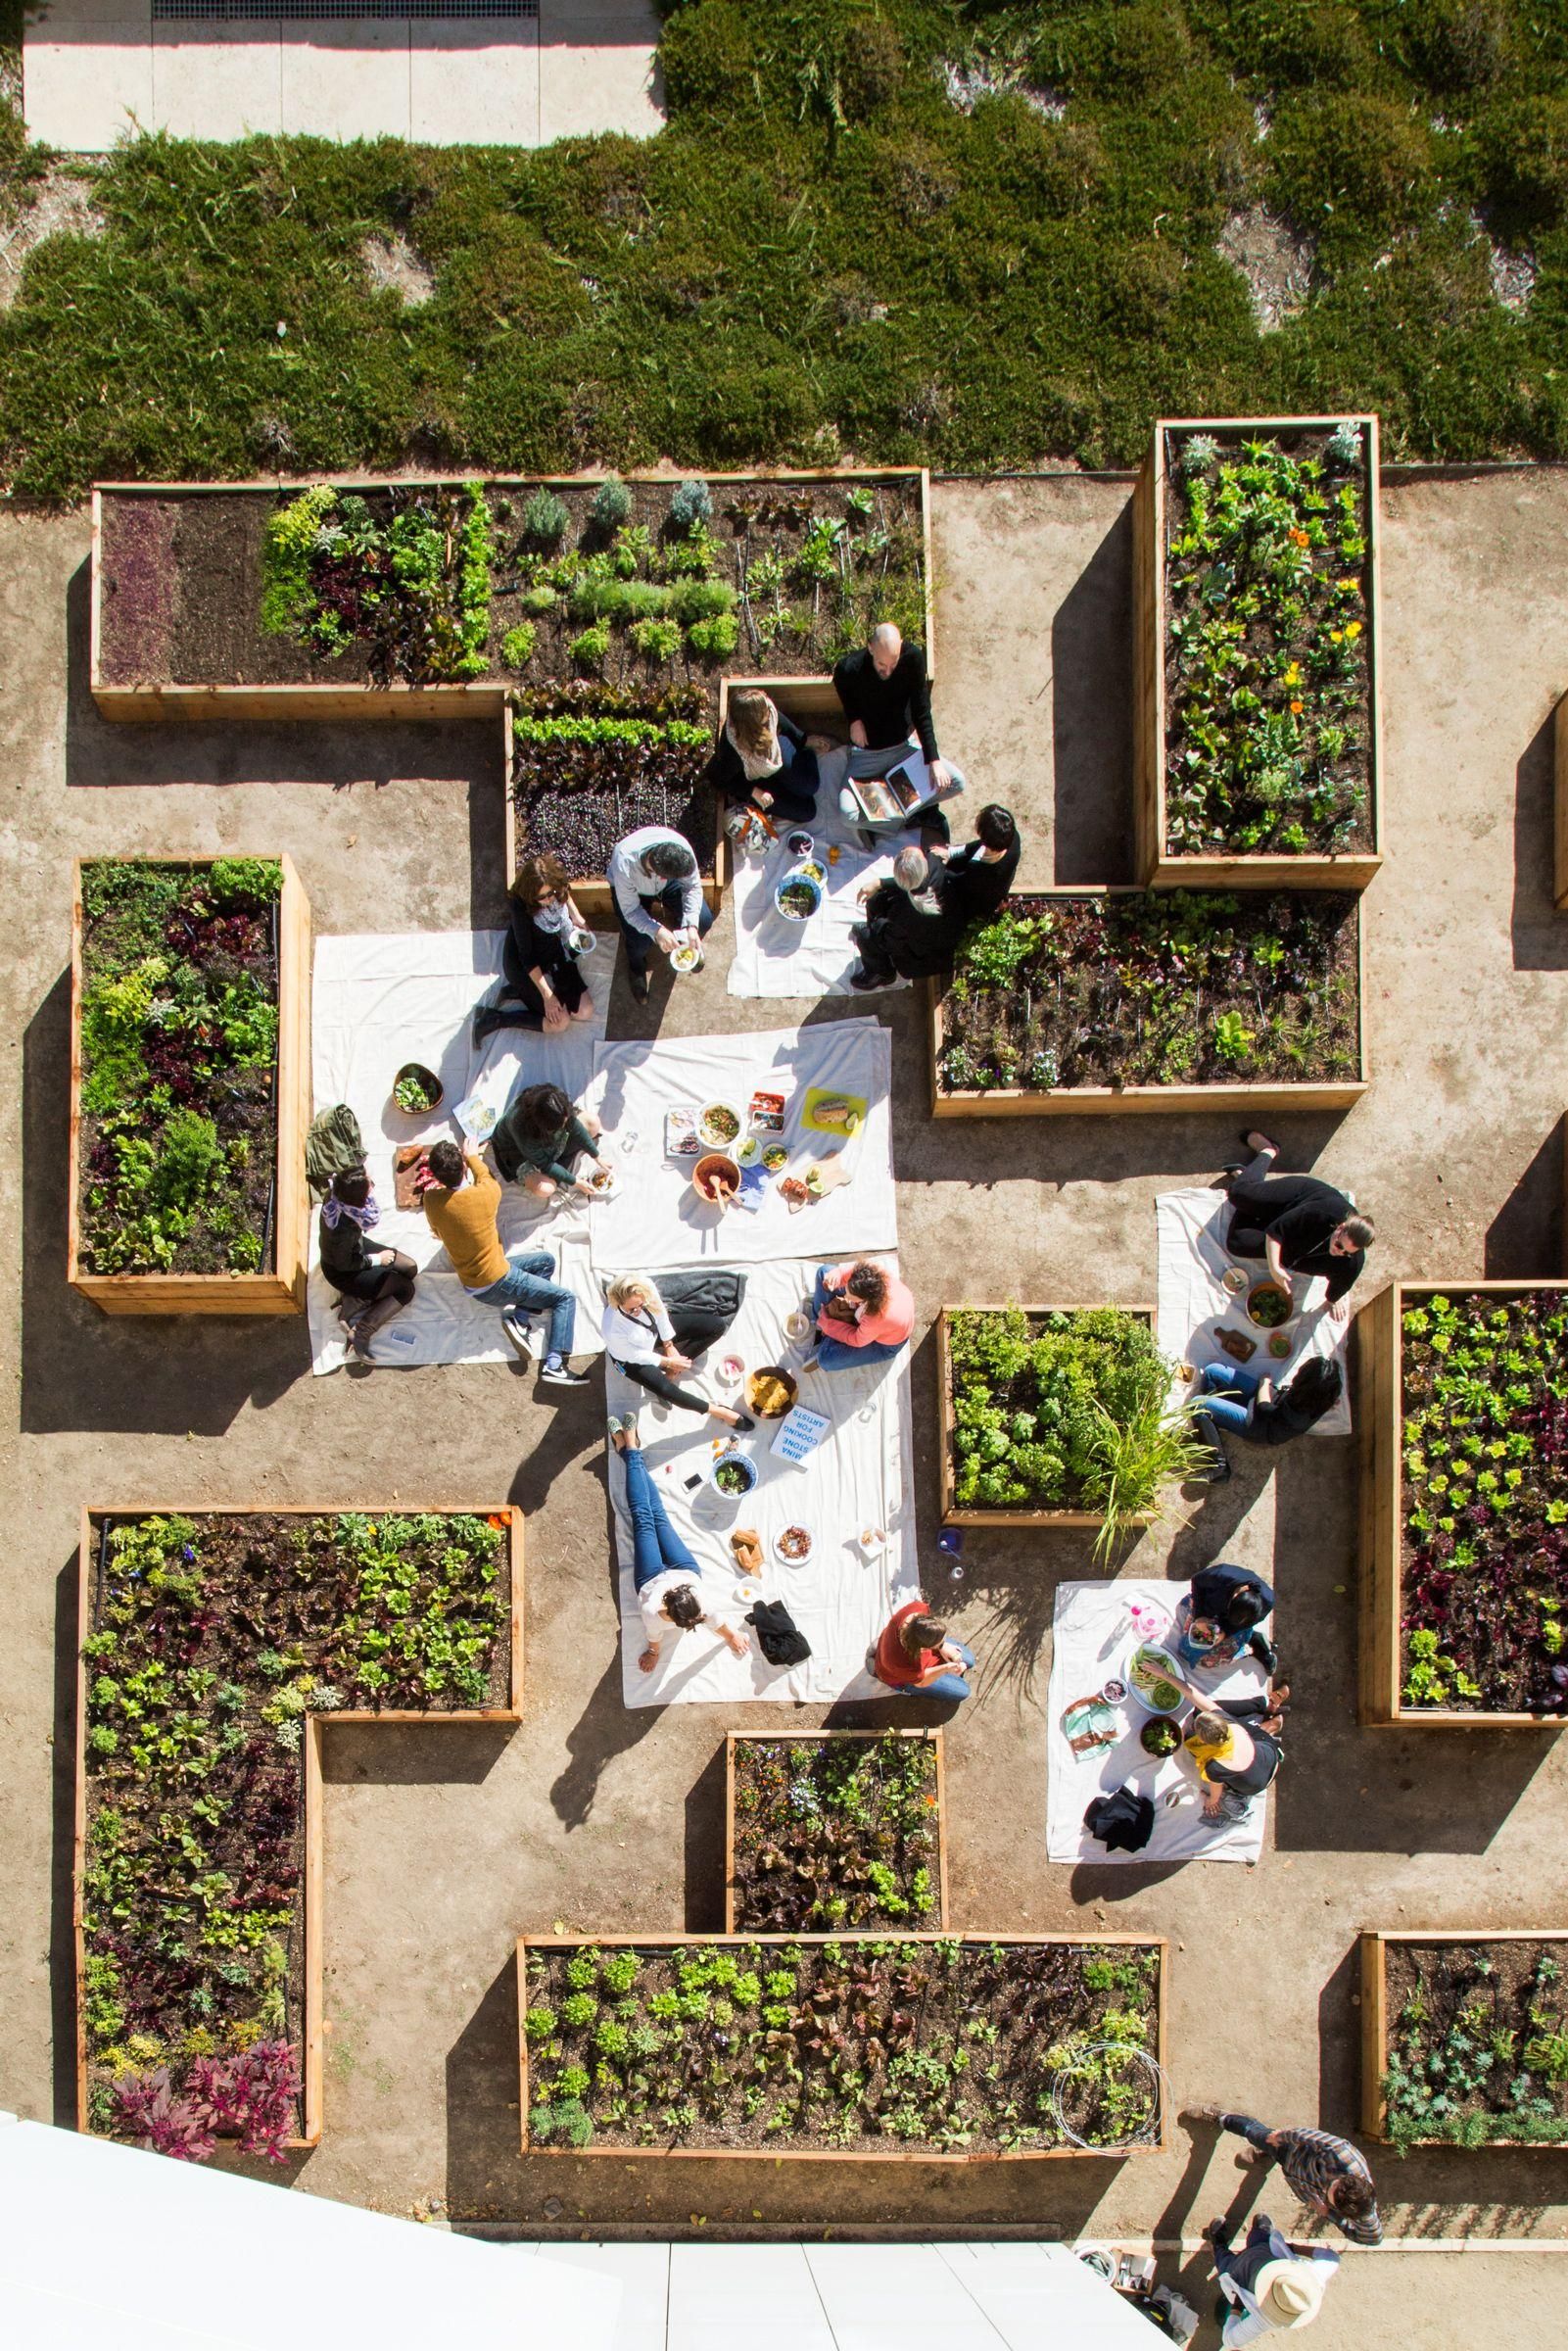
(1477, 2042)
(981, 235)
(180, 1028)
(836, 1833)
(1485, 1452)
(1179, 987)
(1268, 731)
(212, 1638)
(941, 2046)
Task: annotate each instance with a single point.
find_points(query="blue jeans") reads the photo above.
(1224, 1410)
(833, 1354)
(524, 1288)
(665, 907)
(655, 1545)
(947, 1684)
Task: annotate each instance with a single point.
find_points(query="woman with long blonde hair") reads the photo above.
(648, 1335)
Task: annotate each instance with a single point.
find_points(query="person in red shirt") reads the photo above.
(864, 1316)
(914, 1654)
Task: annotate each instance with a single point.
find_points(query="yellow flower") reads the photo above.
(1293, 675)
(1349, 587)
(1352, 628)
(1336, 635)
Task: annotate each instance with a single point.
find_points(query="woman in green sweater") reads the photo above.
(540, 1140)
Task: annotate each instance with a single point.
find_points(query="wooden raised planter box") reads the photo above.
(282, 1291)
(779, 2151)
(1348, 869)
(1380, 1390)
(1559, 804)
(313, 1879)
(322, 699)
(733, 1889)
(1374, 1946)
(1251, 1099)
(974, 1514)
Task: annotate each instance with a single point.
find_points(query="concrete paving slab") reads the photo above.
(88, 80)
(599, 68)
(346, 79)
(475, 83)
(216, 81)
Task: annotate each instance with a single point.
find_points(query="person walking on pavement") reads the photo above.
(1328, 2174)
(1270, 2286)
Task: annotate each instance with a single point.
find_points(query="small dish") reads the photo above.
(602, 1183)
(748, 1152)
(801, 844)
(792, 1546)
(872, 1540)
(732, 1370)
(797, 1325)
(719, 1124)
(1280, 1345)
(686, 958)
(1235, 1280)
(776, 1158)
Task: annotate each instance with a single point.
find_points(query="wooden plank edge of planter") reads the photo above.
(1160, 868)
(1374, 1945)
(468, 697)
(1160, 1944)
(1381, 1703)
(1559, 802)
(312, 1998)
(953, 1514)
(1055, 1101)
(733, 1739)
(283, 1291)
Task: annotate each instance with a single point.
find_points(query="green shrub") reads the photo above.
(540, 599)
(518, 645)
(714, 640)
(1352, 166)
(691, 502)
(657, 639)
(612, 505)
(547, 518)
(1521, 148)
(590, 648)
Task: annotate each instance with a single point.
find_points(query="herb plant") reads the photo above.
(836, 1833)
(212, 1640)
(179, 1029)
(941, 2046)
(401, 576)
(1267, 660)
(1484, 1581)
(1169, 987)
(1477, 2044)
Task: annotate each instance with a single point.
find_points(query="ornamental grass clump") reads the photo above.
(1483, 1437)
(1268, 679)
(211, 1641)
(835, 1834)
(180, 1033)
(1169, 988)
(1477, 2044)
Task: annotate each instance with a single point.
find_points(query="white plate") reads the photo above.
(787, 1558)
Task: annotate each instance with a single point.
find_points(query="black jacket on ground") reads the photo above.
(889, 708)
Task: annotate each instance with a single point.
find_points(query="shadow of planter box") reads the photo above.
(1157, 864)
(1251, 1098)
(974, 1514)
(1375, 1944)
(780, 2146)
(1380, 1415)
(94, 1522)
(282, 1291)
(734, 1891)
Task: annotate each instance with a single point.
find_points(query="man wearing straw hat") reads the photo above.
(1271, 2284)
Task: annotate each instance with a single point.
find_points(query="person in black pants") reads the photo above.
(1217, 1617)
(1298, 1223)
(1235, 1744)
(905, 934)
(372, 1283)
(973, 883)
(1271, 2283)
(650, 1335)
(543, 988)
(763, 760)
(886, 694)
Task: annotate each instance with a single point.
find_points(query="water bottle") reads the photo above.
(951, 1541)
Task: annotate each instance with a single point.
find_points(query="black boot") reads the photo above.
(1219, 1473)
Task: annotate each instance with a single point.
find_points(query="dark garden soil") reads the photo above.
(178, 1104)
(836, 1833)
(855, 2046)
(1484, 1574)
(1477, 2041)
(1267, 644)
(202, 626)
(1169, 988)
(212, 1638)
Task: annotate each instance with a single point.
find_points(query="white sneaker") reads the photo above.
(520, 1331)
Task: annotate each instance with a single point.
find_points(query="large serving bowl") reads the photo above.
(732, 1474)
(797, 895)
(770, 1391)
(1269, 1305)
(714, 1178)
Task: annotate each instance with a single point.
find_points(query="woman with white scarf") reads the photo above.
(764, 761)
(372, 1283)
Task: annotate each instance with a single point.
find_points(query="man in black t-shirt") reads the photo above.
(887, 696)
(973, 883)
(1298, 1224)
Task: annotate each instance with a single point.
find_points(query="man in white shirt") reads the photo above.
(658, 898)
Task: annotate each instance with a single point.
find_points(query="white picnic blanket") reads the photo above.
(654, 1219)
(1094, 1637)
(1193, 1304)
(861, 1475)
(775, 957)
(380, 1000)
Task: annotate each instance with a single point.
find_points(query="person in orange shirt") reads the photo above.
(864, 1316)
(916, 1657)
(460, 1197)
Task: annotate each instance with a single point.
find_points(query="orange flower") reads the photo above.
(1297, 708)
(1298, 538)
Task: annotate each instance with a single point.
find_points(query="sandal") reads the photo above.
(1264, 1142)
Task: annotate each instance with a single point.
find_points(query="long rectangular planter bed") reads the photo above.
(275, 1287)
(1337, 644)
(1453, 2013)
(177, 582)
(1398, 1661)
(956, 1514)
(818, 1784)
(1337, 917)
(1559, 805)
(238, 1652)
(929, 2014)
